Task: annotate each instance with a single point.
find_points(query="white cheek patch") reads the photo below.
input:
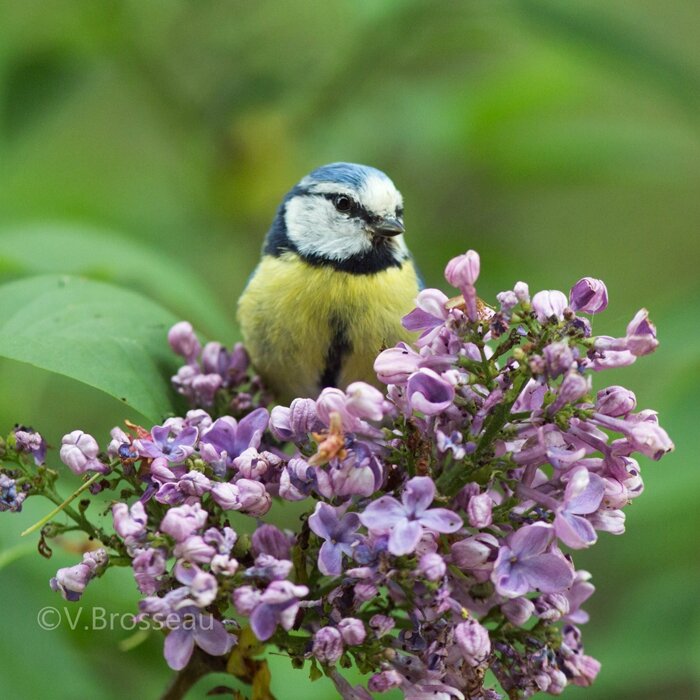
(316, 228)
(379, 196)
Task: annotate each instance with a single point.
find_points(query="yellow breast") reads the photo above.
(293, 314)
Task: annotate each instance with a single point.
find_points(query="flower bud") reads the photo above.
(548, 304)
(479, 510)
(226, 494)
(9, 498)
(296, 422)
(615, 401)
(463, 270)
(352, 630)
(507, 301)
(558, 358)
(522, 292)
(518, 610)
(148, 566)
(194, 483)
(279, 424)
(385, 680)
(432, 566)
(612, 521)
(204, 388)
(473, 641)
(72, 581)
(194, 549)
(182, 521)
(551, 606)
(327, 645)
(215, 359)
(364, 401)
(474, 552)
(79, 453)
(641, 334)
(28, 440)
(268, 539)
(381, 624)
(254, 500)
(650, 439)
(589, 295)
(183, 341)
(574, 387)
(129, 522)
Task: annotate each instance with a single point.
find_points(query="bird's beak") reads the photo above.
(388, 226)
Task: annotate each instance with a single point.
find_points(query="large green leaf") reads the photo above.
(101, 254)
(104, 336)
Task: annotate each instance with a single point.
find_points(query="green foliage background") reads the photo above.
(147, 143)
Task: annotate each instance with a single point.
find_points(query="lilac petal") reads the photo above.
(418, 320)
(418, 495)
(324, 520)
(441, 520)
(222, 434)
(160, 434)
(574, 531)
(428, 392)
(404, 537)
(250, 430)
(186, 438)
(330, 559)
(349, 523)
(147, 448)
(531, 540)
(396, 364)
(288, 615)
(549, 573)
(178, 648)
(213, 637)
(263, 622)
(588, 500)
(383, 514)
(510, 581)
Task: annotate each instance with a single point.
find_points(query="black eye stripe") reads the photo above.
(356, 211)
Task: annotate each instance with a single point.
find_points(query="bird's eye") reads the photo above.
(342, 203)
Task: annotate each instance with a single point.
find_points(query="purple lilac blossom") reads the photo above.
(405, 520)
(526, 563)
(277, 605)
(338, 530)
(72, 581)
(488, 418)
(190, 627)
(31, 442)
(10, 498)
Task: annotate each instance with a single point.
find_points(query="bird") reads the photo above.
(334, 280)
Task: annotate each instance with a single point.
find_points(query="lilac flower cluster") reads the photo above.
(441, 514)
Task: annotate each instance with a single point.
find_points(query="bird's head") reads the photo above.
(343, 212)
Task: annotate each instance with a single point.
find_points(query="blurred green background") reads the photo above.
(145, 142)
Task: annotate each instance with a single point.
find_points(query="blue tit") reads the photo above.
(334, 280)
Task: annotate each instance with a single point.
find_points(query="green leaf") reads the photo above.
(7, 556)
(106, 337)
(101, 254)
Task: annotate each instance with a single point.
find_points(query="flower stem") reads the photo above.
(64, 506)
